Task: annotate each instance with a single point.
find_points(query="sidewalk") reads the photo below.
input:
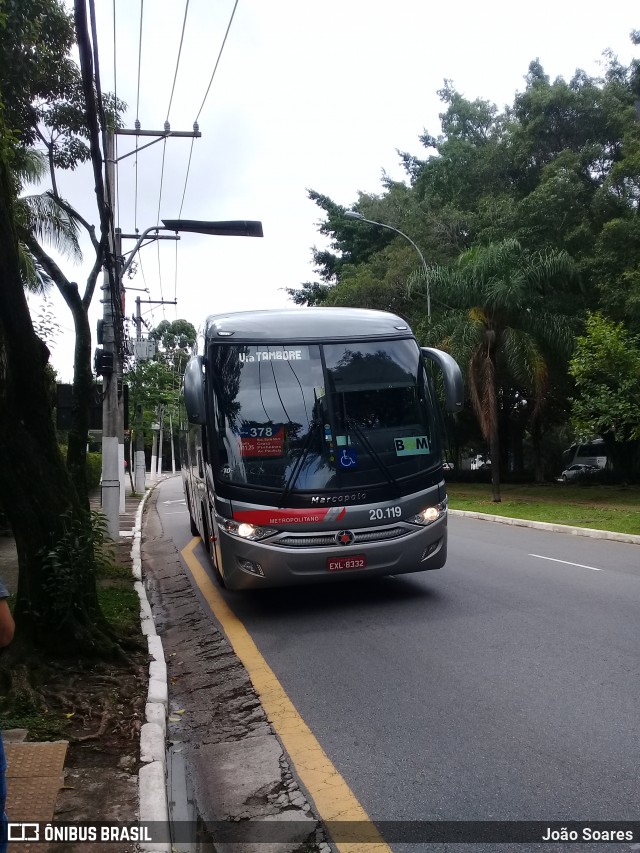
(36, 772)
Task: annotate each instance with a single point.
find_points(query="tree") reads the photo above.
(157, 382)
(51, 102)
(56, 599)
(176, 342)
(606, 369)
(500, 330)
(557, 171)
(56, 602)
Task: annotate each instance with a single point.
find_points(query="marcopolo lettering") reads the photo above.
(338, 499)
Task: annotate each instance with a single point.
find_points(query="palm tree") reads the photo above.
(40, 217)
(500, 324)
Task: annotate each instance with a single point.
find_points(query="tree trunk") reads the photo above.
(536, 441)
(494, 427)
(35, 489)
(82, 389)
(494, 450)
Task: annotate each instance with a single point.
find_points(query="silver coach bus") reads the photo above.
(311, 446)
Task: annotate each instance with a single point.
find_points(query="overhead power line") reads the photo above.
(215, 68)
(115, 95)
(175, 76)
(204, 100)
(137, 121)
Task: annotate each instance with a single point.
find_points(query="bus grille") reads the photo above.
(328, 540)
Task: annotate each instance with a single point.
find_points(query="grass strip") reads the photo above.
(616, 509)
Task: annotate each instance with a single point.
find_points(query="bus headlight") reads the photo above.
(243, 530)
(429, 514)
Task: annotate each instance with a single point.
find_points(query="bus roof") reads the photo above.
(305, 324)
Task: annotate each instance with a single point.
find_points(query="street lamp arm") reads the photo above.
(139, 243)
(234, 228)
(352, 214)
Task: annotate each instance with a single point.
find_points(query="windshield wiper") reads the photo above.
(382, 466)
(299, 462)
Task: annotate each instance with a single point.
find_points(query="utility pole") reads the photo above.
(110, 373)
(113, 475)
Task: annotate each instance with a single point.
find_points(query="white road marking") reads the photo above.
(566, 562)
(179, 512)
(180, 501)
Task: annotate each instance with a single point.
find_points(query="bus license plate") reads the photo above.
(340, 564)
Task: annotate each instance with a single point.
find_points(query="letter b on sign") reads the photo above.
(399, 445)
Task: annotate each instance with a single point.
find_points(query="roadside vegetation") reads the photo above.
(612, 508)
(76, 697)
(529, 221)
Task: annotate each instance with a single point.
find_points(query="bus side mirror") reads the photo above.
(194, 391)
(453, 382)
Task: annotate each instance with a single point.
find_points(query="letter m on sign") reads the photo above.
(422, 443)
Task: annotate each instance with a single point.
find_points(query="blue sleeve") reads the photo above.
(4, 592)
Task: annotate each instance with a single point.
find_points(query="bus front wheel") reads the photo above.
(208, 544)
(194, 528)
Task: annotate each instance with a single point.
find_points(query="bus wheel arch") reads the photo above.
(194, 526)
(210, 546)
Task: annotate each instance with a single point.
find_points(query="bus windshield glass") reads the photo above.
(308, 417)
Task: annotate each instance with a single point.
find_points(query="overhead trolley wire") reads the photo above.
(195, 125)
(175, 76)
(215, 68)
(115, 95)
(164, 150)
(137, 123)
(166, 123)
(204, 100)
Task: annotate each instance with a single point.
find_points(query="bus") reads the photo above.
(593, 453)
(311, 446)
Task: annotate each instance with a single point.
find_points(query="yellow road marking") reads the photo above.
(332, 796)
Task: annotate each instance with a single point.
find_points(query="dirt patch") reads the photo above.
(99, 709)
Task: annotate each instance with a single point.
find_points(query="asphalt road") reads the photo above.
(502, 687)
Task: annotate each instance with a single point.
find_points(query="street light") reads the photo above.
(352, 214)
(232, 228)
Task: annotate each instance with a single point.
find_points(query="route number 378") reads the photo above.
(383, 513)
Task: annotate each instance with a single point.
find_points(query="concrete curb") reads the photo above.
(591, 532)
(152, 787)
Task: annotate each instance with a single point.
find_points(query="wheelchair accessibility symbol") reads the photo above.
(348, 457)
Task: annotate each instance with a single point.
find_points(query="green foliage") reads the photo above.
(176, 341)
(79, 549)
(606, 369)
(35, 61)
(94, 470)
(121, 609)
(157, 382)
(501, 205)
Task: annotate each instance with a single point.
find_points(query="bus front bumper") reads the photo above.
(258, 565)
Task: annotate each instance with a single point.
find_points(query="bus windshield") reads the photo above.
(300, 417)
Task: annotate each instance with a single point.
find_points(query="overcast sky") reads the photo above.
(307, 94)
